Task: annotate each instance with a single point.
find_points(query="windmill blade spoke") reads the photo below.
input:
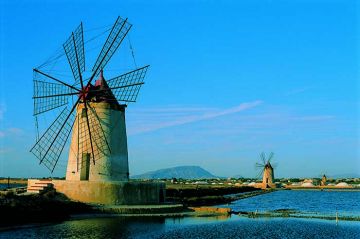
(270, 157)
(116, 36)
(95, 137)
(74, 50)
(259, 165)
(263, 158)
(100, 138)
(51, 144)
(126, 87)
(48, 96)
(258, 176)
(38, 74)
(89, 131)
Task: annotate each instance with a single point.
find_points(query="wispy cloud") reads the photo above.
(11, 132)
(189, 116)
(5, 150)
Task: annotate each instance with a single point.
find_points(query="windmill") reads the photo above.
(267, 170)
(91, 109)
(323, 179)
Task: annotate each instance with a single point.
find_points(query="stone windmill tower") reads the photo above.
(323, 180)
(97, 166)
(104, 157)
(267, 170)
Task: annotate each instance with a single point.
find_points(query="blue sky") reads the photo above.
(227, 81)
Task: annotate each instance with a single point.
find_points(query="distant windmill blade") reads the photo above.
(270, 157)
(48, 95)
(74, 50)
(263, 158)
(258, 176)
(259, 165)
(126, 87)
(116, 36)
(51, 144)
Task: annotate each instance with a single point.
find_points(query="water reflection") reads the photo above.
(196, 220)
(220, 226)
(192, 227)
(113, 227)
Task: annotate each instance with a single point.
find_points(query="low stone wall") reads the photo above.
(112, 193)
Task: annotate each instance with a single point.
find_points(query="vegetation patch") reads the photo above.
(49, 206)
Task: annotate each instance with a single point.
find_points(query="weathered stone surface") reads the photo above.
(112, 193)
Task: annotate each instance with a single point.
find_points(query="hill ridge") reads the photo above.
(185, 172)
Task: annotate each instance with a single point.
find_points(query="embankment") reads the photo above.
(206, 196)
(47, 207)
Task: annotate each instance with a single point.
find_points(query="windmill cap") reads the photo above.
(100, 81)
(105, 94)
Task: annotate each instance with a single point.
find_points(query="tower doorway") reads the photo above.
(85, 166)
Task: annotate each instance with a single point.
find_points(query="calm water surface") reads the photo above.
(346, 203)
(14, 185)
(234, 227)
(218, 227)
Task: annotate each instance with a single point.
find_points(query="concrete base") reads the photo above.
(112, 193)
(265, 185)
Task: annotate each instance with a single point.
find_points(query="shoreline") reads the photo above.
(51, 207)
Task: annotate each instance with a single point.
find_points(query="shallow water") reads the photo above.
(220, 227)
(234, 227)
(346, 203)
(14, 185)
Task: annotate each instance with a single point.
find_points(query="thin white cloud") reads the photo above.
(4, 150)
(15, 131)
(11, 132)
(191, 117)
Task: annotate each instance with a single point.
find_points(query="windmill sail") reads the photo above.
(126, 87)
(93, 110)
(74, 50)
(49, 147)
(99, 139)
(116, 36)
(49, 95)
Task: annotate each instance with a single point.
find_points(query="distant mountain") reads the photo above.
(185, 172)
